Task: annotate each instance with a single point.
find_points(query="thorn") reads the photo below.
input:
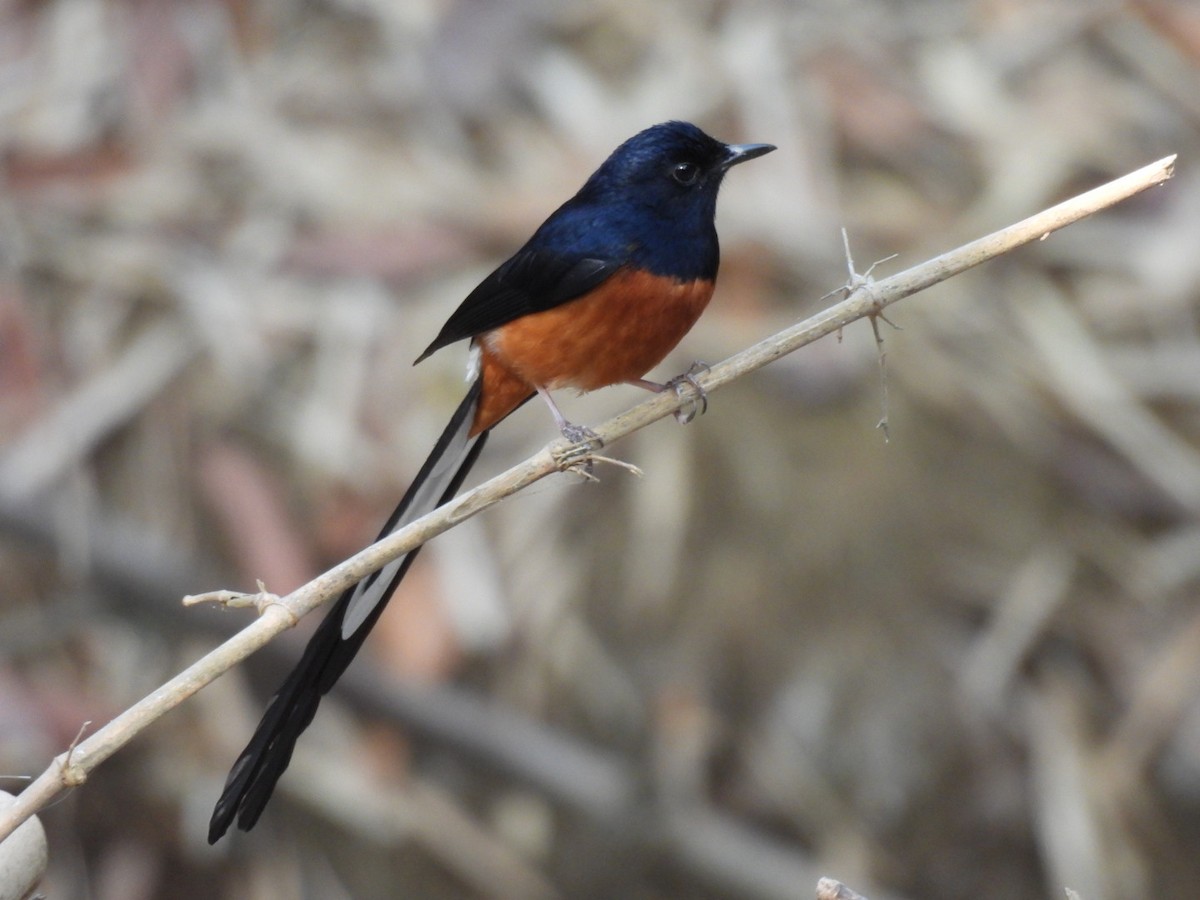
(854, 280)
(871, 268)
(860, 281)
(883, 375)
(879, 315)
(72, 774)
(854, 276)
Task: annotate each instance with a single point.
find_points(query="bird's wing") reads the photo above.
(533, 280)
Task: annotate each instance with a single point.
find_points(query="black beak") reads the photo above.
(739, 153)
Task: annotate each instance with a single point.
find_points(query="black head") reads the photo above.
(667, 164)
(651, 203)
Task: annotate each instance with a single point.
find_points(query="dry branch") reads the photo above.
(865, 298)
(829, 889)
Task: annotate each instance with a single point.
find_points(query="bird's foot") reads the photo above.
(697, 396)
(580, 456)
(581, 434)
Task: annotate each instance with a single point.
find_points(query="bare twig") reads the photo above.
(235, 599)
(867, 299)
(864, 279)
(829, 889)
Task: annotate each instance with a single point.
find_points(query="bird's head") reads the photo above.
(669, 166)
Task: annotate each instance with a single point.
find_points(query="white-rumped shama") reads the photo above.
(601, 293)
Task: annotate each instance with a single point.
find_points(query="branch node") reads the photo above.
(874, 314)
(578, 456)
(72, 774)
(856, 281)
(238, 599)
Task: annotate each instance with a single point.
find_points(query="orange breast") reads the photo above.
(617, 332)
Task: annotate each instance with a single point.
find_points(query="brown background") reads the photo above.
(959, 663)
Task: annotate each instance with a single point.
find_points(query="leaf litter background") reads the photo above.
(959, 663)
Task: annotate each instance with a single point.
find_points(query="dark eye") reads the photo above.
(685, 172)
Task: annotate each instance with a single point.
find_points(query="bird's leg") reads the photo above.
(580, 457)
(577, 434)
(698, 397)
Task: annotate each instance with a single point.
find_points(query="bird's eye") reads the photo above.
(685, 173)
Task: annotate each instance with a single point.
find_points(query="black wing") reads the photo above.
(531, 281)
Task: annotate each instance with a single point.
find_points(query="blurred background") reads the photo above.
(959, 659)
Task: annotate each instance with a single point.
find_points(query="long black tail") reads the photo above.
(338, 638)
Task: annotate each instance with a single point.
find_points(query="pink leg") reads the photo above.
(574, 433)
(559, 418)
(699, 404)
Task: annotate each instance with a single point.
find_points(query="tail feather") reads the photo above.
(338, 638)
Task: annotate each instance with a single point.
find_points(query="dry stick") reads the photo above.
(864, 298)
(830, 889)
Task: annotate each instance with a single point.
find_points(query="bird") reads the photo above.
(605, 288)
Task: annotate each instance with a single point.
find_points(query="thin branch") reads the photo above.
(829, 889)
(864, 298)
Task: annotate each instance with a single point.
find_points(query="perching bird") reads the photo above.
(601, 293)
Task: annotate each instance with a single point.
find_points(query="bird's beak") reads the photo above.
(739, 153)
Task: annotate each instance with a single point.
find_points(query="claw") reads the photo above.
(699, 397)
(587, 441)
(581, 434)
